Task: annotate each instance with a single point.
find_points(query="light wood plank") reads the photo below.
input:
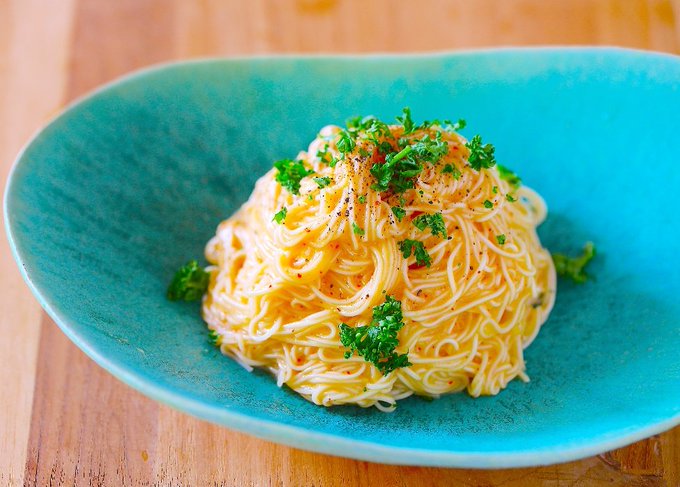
(87, 427)
(26, 101)
(312, 26)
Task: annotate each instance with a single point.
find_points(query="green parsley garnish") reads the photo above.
(406, 121)
(354, 123)
(510, 198)
(509, 176)
(500, 239)
(429, 149)
(373, 128)
(377, 341)
(385, 147)
(290, 173)
(481, 155)
(453, 170)
(415, 247)
(574, 267)
(494, 190)
(400, 168)
(435, 222)
(397, 173)
(190, 283)
(488, 204)
(447, 125)
(362, 199)
(322, 182)
(399, 212)
(280, 215)
(326, 157)
(357, 229)
(214, 338)
(346, 142)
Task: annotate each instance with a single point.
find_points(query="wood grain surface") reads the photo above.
(65, 421)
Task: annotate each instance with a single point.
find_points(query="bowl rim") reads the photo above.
(297, 436)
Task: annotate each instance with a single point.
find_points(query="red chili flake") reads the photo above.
(415, 214)
(299, 276)
(378, 157)
(415, 265)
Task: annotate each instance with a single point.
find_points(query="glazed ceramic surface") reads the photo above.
(129, 183)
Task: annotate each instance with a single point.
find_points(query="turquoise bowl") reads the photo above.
(130, 182)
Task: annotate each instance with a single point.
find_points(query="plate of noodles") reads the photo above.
(457, 259)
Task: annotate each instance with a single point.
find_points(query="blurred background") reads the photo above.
(84, 426)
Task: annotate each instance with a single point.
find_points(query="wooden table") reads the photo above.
(65, 421)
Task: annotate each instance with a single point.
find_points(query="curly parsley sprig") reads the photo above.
(398, 172)
(417, 248)
(376, 342)
(189, 284)
(290, 173)
(574, 268)
(481, 155)
(435, 222)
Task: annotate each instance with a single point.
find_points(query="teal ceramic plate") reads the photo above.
(130, 182)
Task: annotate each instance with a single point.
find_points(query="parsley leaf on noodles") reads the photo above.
(290, 173)
(481, 155)
(399, 212)
(376, 342)
(415, 247)
(435, 222)
(406, 121)
(430, 149)
(346, 142)
(280, 215)
(453, 170)
(322, 182)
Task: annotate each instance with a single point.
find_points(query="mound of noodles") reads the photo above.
(279, 290)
